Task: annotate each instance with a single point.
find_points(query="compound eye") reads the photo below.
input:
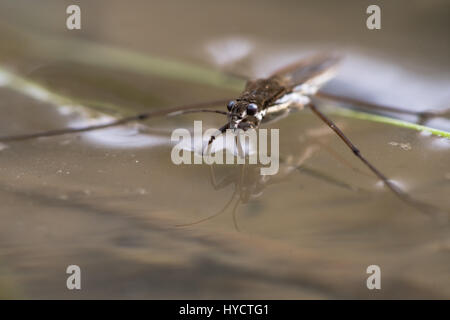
(252, 109)
(231, 104)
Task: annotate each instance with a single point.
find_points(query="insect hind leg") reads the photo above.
(406, 198)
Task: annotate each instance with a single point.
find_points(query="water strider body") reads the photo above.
(268, 99)
(264, 100)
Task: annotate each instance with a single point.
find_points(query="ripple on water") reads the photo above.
(3, 146)
(440, 143)
(399, 184)
(4, 78)
(118, 137)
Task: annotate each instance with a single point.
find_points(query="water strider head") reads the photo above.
(243, 114)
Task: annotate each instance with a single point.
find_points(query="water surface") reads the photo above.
(111, 201)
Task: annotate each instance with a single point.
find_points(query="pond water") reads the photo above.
(113, 203)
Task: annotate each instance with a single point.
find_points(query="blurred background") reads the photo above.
(111, 201)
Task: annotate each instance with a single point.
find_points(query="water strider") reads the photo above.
(269, 99)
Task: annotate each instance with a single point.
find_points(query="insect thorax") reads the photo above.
(263, 92)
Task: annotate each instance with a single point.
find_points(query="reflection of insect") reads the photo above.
(249, 184)
(269, 99)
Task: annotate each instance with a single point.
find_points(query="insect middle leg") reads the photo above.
(422, 116)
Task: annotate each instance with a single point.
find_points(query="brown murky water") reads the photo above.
(111, 201)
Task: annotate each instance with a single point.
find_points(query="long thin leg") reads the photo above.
(397, 191)
(208, 147)
(221, 130)
(199, 107)
(423, 116)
